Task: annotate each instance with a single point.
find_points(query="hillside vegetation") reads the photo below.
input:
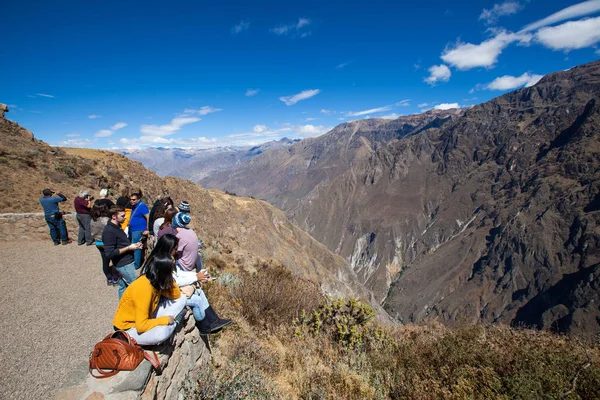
(291, 342)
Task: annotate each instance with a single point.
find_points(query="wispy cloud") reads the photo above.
(94, 116)
(342, 65)
(239, 28)
(570, 35)
(390, 116)
(149, 141)
(508, 82)
(72, 135)
(45, 95)
(465, 56)
(574, 11)
(305, 94)
(327, 112)
(298, 29)
(263, 133)
(491, 16)
(168, 129)
(201, 111)
(111, 130)
(438, 73)
(310, 119)
(252, 92)
(423, 105)
(74, 143)
(377, 110)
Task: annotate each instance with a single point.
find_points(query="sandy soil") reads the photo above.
(54, 306)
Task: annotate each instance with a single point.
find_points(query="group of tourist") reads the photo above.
(152, 304)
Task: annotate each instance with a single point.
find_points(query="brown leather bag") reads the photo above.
(118, 352)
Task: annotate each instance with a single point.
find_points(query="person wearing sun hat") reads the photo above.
(187, 249)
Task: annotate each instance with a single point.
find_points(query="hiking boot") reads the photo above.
(67, 242)
(211, 323)
(56, 243)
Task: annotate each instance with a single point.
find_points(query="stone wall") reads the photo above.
(31, 226)
(181, 358)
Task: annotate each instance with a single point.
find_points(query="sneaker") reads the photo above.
(56, 243)
(67, 241)
(215, 327)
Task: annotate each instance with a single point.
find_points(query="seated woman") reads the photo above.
(153, 305)
(206, 318)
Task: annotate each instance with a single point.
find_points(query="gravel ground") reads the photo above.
(55, 306)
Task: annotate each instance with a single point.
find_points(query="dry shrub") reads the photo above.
(273, 296)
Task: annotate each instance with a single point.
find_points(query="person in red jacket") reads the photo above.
(83, 206)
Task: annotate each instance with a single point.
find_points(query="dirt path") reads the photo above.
(55, 305)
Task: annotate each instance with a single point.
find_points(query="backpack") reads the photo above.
(118, 352)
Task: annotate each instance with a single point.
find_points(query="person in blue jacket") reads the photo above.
(138, 226)
(53, 216)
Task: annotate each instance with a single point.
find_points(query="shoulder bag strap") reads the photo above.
(153, 360)
(101, 372)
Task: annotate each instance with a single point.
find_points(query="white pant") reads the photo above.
(160, 333)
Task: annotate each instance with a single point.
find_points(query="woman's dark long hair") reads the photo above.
(159, 271)
(98, 211)
(169, 215)
(159, 275)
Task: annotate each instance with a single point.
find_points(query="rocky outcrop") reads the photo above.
(482, 216)
(3, 109)
(181, 359)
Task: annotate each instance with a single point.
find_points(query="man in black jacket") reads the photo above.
(119, 249)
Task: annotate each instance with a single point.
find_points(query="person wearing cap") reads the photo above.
(53, 216)
(184, 207)
(83, 206)
(187, 249)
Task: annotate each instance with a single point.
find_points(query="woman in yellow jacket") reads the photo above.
(153, 305)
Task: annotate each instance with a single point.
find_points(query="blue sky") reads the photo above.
(125, 74)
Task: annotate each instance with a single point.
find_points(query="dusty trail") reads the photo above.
(54, 306)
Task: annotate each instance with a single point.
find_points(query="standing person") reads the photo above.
(100, 218)
(119, 249)
(123, 200)
(53, 216)
(83, 206)
(104, 200)
(138, 225)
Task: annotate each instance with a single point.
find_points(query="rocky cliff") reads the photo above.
(481, 215)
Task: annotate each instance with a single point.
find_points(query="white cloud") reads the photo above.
(242, 26)
(149, 141)
(403, 103)
(310, 119)
(570, 35)
(446, 106)
(94, 116)
(294, 29)
(422, 105)
(117, 126)
(305, 94)
(508, 82)
(45, 95)
(169, 129)
(74, 143)
(465, 56)
(342, 65)
(252, 92)
(104, 133)
(499, 10)
(259, 128)
(367, 112)
(574, 11)
(327, 112)
(113, 129)
(438, 73)
(391, 116)
(201, 111)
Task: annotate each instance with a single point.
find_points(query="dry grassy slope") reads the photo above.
(242, 231)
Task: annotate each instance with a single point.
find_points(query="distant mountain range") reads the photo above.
(196, 164)
(479, 215)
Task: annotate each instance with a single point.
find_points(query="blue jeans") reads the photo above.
(134, 237)
(58, 229)
(198, 303)
(128, 274)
